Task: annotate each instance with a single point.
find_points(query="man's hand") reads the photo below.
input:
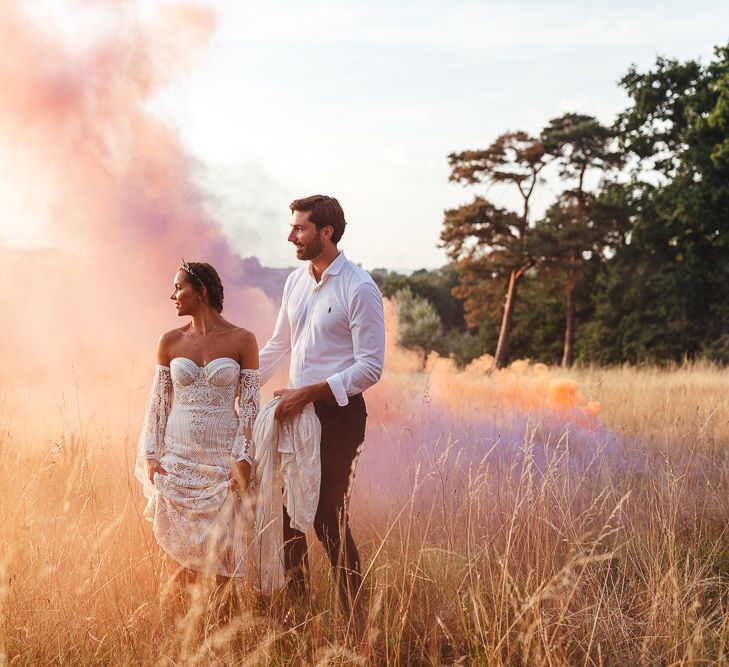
(154, 466)
(292, 402)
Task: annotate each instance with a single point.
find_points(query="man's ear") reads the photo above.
(327, 231)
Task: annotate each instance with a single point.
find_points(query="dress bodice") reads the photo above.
(212, 386)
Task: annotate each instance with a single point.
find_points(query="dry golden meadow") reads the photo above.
(517, 558)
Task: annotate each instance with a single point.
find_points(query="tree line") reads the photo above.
(634, 269)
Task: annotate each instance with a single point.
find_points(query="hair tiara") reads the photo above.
(185, 266)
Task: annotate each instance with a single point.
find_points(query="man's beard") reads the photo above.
(312, 249)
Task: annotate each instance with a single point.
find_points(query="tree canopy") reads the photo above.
(634, 269)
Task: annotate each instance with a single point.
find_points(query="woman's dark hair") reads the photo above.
(202, 274)
(324, 211)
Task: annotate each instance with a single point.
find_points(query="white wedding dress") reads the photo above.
(192, 428)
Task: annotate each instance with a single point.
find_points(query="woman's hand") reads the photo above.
(240, 477)
(153, 466)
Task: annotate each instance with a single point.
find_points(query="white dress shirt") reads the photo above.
(334, 330)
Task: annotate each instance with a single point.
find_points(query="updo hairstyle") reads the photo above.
(202, 274)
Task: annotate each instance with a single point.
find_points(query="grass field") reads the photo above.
(496, 525)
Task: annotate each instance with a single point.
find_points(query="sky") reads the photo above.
(364, 101)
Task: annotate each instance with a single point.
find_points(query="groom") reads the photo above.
(332, 322)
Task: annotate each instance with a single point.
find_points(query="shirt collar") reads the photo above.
(334, 268)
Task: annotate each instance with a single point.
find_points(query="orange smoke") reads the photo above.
(117, 196)
(476, 390)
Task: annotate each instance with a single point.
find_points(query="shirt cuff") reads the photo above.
(337, 386)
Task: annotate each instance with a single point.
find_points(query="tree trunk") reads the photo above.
(569, 329)
(506, 321)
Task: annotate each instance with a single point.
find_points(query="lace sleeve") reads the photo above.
(248, 404)
(155, 417)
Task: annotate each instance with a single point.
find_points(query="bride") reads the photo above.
(195, 451)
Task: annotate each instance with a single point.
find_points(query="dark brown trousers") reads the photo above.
(342, 433)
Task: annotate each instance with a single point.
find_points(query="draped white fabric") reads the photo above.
(192, 428)
(287, 457)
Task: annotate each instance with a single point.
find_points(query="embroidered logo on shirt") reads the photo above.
(330, 309)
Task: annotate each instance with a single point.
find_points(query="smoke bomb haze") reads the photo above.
(115, 191)
(502, 516)
(117, 195)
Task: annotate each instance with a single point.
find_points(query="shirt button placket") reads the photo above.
(309, 316)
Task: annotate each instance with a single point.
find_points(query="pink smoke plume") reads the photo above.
(116, 191)
(121, 207)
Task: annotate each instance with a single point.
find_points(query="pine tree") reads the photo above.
(489, 243)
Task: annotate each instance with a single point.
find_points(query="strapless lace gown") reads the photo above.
(192, 428)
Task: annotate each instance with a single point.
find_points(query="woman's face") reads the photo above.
(185, 296)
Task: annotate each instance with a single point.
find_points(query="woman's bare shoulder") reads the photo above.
(247, 345)
(236, 333)
(243, 334)
(172, 336)
(166, 341)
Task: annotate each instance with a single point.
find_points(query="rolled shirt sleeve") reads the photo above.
(367, 324)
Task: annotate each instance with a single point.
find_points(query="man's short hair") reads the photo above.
(323, 211)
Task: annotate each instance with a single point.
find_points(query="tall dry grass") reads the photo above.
(684, 406)
(564, 548)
